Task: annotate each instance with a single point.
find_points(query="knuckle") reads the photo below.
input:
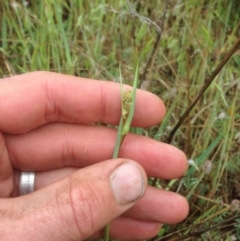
(85, 204)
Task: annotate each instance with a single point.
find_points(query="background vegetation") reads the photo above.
(91, 39)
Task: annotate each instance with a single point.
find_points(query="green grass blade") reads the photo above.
(119, 140)
(132, 108)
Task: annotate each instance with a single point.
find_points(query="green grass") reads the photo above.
(91, 39)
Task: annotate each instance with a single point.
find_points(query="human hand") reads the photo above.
(47, 126)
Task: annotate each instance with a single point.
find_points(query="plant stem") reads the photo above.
(127, 99)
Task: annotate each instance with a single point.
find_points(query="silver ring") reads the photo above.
(26, 183)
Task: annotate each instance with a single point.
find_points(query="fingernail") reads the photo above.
(128, 183)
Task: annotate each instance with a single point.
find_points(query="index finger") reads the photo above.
(33, 99)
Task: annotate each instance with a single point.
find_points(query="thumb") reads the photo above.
(77, 206)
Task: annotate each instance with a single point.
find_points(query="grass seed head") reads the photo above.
(127, 98)
(207, 166)
(235, 205)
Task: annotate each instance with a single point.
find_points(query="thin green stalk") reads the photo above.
(128, 99)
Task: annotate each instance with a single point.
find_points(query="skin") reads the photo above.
(46, 126)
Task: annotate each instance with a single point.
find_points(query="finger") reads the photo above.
(6, 171)
(37, 98)
(159, 206)
(77, 206)
(123, 228)
(156, 206)
(60, 145)
(44, 178)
